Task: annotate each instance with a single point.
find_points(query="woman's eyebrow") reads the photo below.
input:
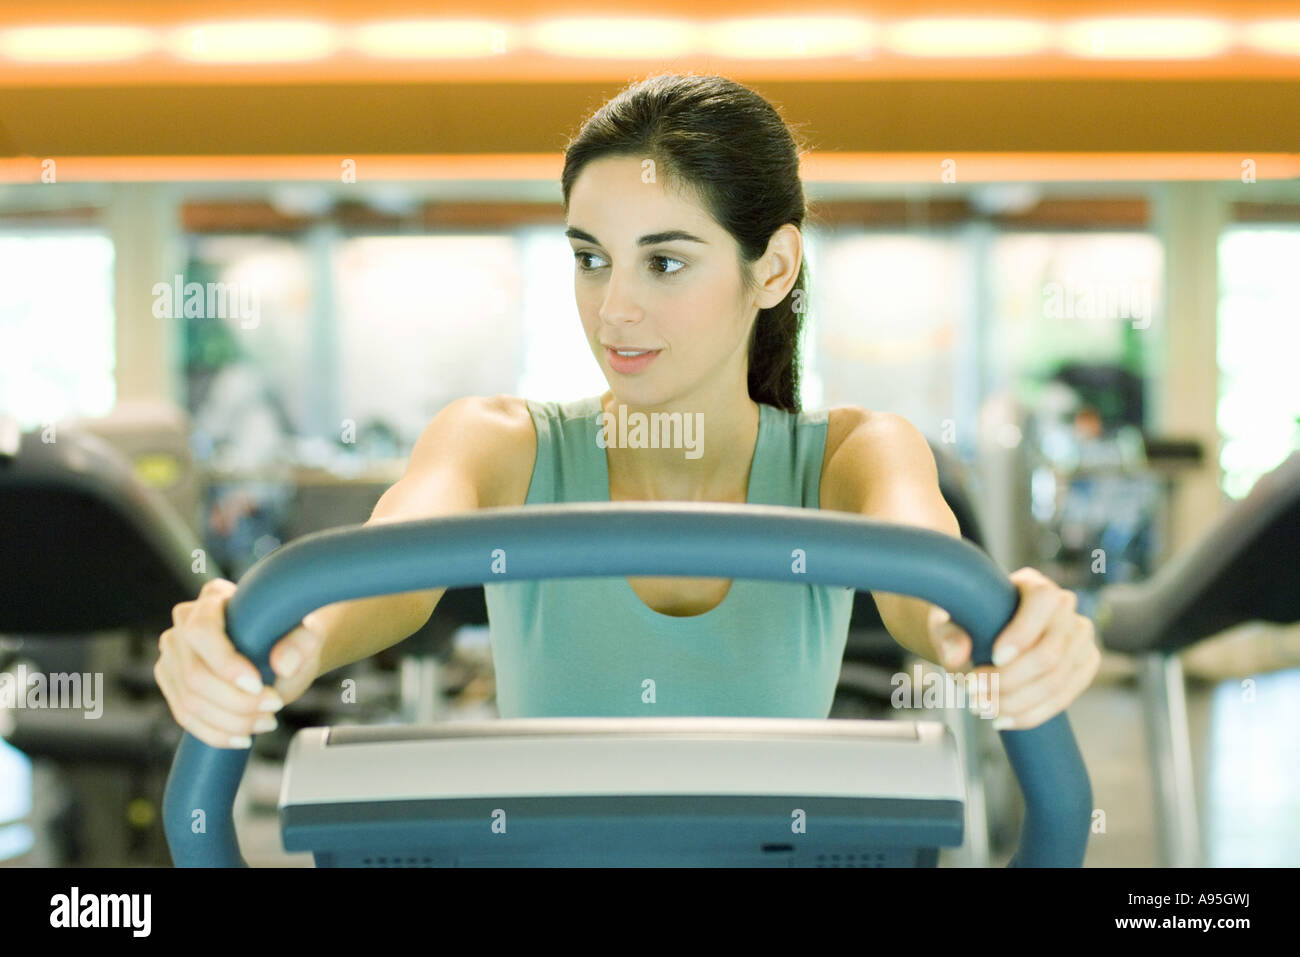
(650, 239)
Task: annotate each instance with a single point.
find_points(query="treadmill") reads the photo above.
(707, 791)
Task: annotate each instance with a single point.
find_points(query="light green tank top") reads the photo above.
(590, 647)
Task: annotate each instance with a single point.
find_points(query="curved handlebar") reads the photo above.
(599, 539)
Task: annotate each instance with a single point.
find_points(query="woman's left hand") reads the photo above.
(1043, 660)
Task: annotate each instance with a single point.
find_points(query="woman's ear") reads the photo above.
(778, 269)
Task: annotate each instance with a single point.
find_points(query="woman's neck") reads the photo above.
(707, 448)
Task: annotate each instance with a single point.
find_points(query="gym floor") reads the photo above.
(1246, 756)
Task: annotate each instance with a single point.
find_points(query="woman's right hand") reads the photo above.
(214, 692)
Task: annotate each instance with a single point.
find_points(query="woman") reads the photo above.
(683, 207)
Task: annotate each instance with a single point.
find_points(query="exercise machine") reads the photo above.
(94, 557)
(625, 791)
(440, 819)
(872, 658)
(1242, 569)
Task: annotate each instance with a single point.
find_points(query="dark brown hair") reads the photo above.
(721, 142)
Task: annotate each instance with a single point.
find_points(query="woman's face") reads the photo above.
(653, 271)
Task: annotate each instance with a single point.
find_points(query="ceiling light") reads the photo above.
(959, 37)
(1146, 38)
(613, 37)
(433, 39)
(775, 38)
(1273, 36)
(75, 44)
(253, 41)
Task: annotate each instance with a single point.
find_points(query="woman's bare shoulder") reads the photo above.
(841, 422)
(511, 438)
(865, 446)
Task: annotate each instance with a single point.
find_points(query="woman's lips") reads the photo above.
(627, 365)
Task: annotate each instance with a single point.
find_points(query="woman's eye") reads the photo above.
(583, 259)
(669, 259)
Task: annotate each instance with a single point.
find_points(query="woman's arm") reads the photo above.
(454, 468)
(884, 469)
(1044, 658)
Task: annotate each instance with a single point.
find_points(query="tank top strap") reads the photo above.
(567, 469)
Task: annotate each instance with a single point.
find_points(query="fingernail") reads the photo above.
(1001, 724)
(249, 683)
(272, 702)
(289, 662)
(952, 651)
(1004, 654)
(242, 741)
(265, 724)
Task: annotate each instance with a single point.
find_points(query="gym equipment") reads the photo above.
(627, 791)
(75, 501)
(89, 549)
(443, 814)
(871, 659)
(1243, 569)
(154, 436)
